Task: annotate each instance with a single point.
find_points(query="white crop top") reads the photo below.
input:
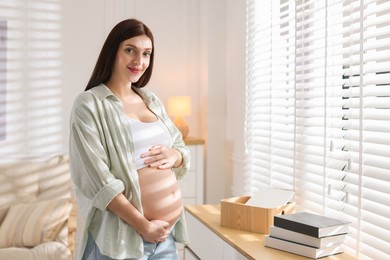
(146, 135)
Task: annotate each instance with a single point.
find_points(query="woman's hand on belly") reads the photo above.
(160, 195)
(152, 231)
(162, 157)
(158, 231)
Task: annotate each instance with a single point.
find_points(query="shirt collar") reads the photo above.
(103, 92)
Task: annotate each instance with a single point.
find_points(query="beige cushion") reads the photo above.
(54, 178)
(28, 180)
(18, 182)
(27, 225)
(46, 251)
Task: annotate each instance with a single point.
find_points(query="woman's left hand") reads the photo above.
(162, 157)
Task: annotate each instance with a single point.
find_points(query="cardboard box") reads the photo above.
(236, 214)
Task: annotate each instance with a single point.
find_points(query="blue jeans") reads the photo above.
(159, 251)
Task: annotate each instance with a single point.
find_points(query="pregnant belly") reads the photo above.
(160, 194)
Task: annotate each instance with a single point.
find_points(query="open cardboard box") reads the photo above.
(236, 214)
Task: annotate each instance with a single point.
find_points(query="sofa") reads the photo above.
(37, 212)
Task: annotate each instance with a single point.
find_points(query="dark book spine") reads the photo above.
(297, 227)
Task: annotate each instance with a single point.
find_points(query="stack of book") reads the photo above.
(307, 234)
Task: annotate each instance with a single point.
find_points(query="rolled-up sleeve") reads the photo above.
(185, 153)
(89, 162)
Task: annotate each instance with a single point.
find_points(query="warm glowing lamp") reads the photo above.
(179, 107)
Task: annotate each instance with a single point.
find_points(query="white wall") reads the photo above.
(214, 43)
(235, 97)
(200, 52)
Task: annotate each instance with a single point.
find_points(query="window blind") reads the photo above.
(32, 81)
(317, 111)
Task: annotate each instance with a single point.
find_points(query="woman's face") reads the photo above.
(132, 59)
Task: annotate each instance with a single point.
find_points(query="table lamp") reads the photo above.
(179, 107)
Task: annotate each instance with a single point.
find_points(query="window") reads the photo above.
(317, 110)
(31, 79)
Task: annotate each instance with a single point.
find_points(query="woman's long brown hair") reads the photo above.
(122, 31)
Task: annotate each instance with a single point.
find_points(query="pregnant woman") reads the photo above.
(126, 156)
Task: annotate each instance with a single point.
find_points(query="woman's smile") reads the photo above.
(135, 70)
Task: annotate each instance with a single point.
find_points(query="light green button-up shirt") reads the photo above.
(102, 166)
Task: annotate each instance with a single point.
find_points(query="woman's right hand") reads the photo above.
(157, 231)
(153, 231)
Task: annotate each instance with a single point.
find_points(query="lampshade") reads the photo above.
(179, 106)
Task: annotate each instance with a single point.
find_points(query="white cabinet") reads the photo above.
(205, 244)
(189, 255)
(191, 185)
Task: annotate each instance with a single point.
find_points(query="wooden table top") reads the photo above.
(249, 244)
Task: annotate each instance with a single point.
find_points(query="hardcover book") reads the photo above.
(312, 224)
(303, 250)
(297, 237)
